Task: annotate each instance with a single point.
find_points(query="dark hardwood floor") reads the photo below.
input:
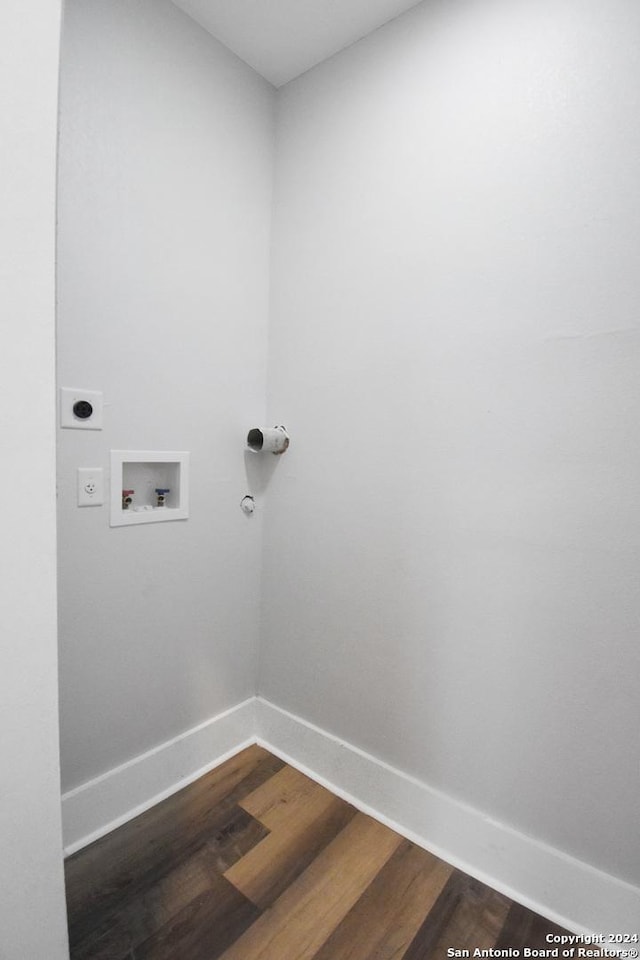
(254, 861)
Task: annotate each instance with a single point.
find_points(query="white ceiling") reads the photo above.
(283, 38)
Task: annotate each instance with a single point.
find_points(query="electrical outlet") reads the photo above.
(80, 409)
(90, 487)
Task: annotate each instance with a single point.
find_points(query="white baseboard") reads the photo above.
(565, 890)
(99, 806)
(561, 888)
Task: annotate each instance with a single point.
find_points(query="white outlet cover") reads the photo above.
(69, 396)
(90, 486)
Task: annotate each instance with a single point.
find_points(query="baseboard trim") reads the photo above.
(99, 806)
(564, 890)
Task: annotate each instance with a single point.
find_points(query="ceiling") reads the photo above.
(281, 39)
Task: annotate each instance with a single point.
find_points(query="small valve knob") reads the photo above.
(161, 496)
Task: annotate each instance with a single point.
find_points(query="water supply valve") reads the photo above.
(161, 496)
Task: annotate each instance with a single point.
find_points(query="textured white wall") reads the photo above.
(451, 553)
(166, 149)
(32, 911)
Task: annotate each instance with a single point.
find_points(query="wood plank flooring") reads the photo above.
(255, 861)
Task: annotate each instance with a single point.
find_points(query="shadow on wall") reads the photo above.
(264, 448)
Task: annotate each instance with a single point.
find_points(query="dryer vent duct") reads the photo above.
(267, 440)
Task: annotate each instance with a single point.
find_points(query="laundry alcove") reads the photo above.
(418, 254)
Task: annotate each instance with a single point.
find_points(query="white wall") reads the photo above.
(165, 197)
(32, 912)
(451, 552)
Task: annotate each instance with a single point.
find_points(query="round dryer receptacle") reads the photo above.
(82, 409)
